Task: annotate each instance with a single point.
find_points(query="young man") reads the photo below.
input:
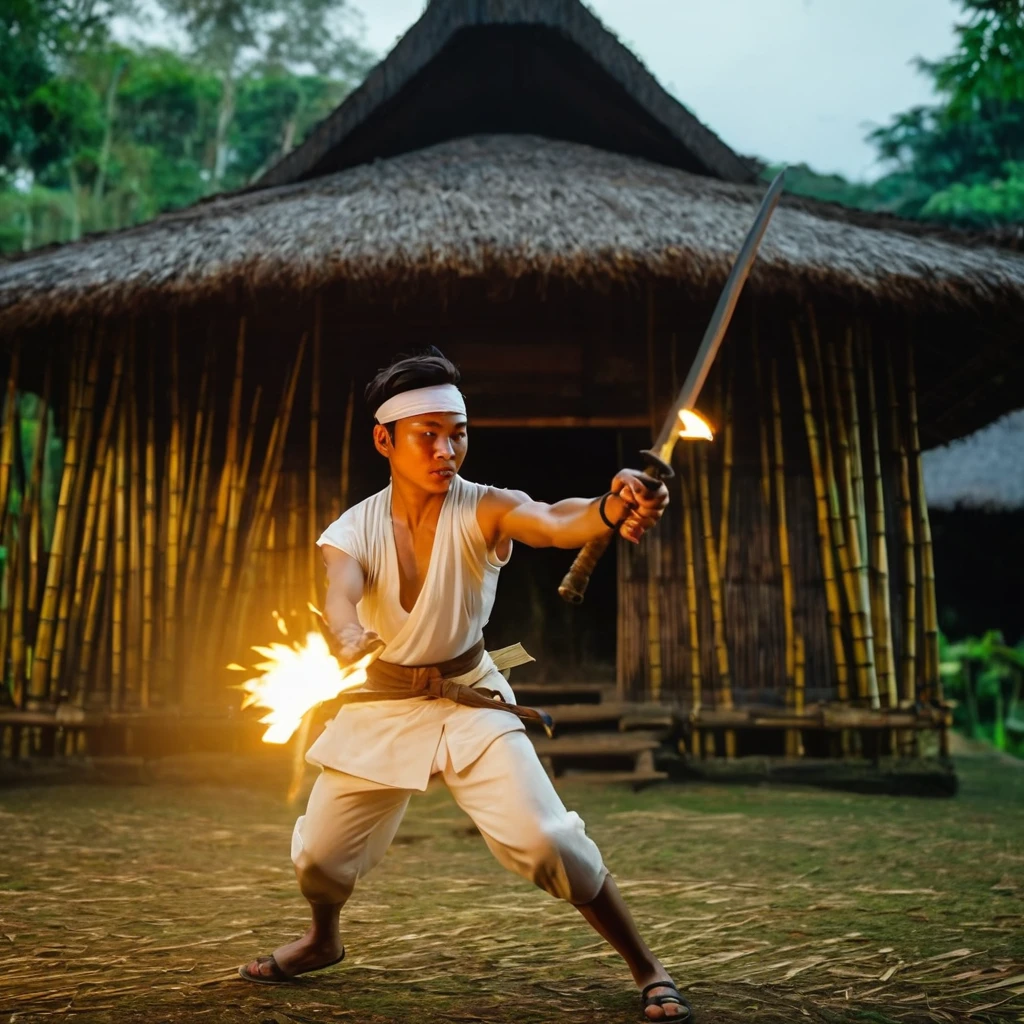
(416, 566)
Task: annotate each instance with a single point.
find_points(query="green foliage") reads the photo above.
(986, 676)
(97, 135)
(981, 203)
(960, 161)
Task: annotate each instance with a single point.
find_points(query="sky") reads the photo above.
(795, 81)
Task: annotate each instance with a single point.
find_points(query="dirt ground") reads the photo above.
(137, 903)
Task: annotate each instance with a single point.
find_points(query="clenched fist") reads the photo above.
(644, 505)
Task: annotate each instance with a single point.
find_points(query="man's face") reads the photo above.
(428, 450)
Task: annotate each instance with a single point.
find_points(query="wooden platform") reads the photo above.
(604, 741)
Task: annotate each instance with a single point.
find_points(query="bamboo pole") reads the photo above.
(102, 638)
(298, 585)
(89, 531)
(165, 682)
(908, 656)
(859, 509)
(239, 479)
(203, 513)
(714, 586)
(860, 618)
(832, 600)
(188, 516)
(7, 448)
(35, 544)
(17, 613)
(170, 573)
(693, 626)
(654, 616)
(856, 456)
(17, 535)
(73, 536)
(231, 478)
(36, 690)
(653, 552)
(97, 587)
(226, 500)
(762, 430)
(7, 445)
(728, 431)
(5, 604)
(133, 601)
(879, 550)
(149, 543)
(836, 528)
(786, 571)
(267, 488)
(799, 684)
(932, 681)
(120, 563)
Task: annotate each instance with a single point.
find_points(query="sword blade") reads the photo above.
(719, 322)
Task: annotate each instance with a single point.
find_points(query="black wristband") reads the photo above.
(604, 515)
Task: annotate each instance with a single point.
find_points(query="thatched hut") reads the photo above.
(975, 489)
(511, 184)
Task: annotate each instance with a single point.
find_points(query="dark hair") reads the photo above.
(407, 372)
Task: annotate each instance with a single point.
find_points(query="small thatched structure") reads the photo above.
(511, 184)
(983, 471)
(975, 490)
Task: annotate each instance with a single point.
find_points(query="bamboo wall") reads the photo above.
(184, 521)
(206, 450)
(795, 562)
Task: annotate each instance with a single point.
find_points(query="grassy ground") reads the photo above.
(136, 903)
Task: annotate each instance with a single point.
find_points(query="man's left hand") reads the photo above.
(646, 504)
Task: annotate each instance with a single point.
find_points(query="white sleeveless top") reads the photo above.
(393, 742)
(458, 593)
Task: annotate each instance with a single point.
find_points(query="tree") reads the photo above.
(960, 160)
(241, 38)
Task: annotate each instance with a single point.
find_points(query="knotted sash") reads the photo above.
(385, 681)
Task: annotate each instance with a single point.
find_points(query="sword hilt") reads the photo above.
(574, 584)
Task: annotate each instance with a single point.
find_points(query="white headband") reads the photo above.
(438, 398)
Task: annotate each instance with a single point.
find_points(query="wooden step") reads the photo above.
(599, 778)
(634, 714)
(597, 744)
(543, 694)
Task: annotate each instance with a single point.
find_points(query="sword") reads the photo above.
(657, 459)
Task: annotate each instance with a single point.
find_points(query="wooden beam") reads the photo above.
(623, 422)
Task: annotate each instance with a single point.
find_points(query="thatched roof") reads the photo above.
(543, 67)
(985, 470)
(508, 206)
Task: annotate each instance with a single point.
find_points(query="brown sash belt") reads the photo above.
(385, 681)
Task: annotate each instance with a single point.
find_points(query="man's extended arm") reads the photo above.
(345, 583)
(570, 523)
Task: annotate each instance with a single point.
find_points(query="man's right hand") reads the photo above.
(354, 642)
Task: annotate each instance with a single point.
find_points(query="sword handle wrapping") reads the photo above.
(574, 583)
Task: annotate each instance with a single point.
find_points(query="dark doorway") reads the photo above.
(570, 643)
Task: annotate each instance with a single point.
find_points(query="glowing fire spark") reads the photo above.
(294, 678)
(695, 427)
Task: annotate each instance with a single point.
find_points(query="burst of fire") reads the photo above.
(294, 678)
(695, 427)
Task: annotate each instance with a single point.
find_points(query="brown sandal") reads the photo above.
(278, 976)
(673, 998)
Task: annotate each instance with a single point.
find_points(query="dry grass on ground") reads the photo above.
(136, 903)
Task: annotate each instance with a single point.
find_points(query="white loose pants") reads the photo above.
(350, 822)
